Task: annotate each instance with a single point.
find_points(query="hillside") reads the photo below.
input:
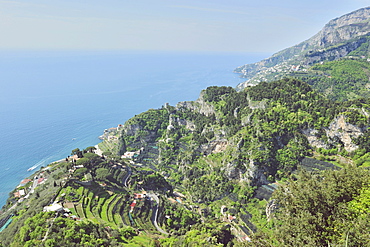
(229, 148)
(343, 37)
(199, 173)
(274, 164)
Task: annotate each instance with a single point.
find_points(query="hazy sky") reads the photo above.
(202, 25)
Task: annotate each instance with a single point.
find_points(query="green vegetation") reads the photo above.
(334, 213)
(344, 79)
(46, 230)
(203, 173)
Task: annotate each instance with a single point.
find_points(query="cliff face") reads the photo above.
(200, 106)
(336, 40)
(345, 132)
(343, 28)
(339, 132)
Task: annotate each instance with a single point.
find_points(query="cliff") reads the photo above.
(336, 40)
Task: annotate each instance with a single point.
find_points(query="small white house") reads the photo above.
(53, 208)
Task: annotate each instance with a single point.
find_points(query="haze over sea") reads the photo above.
(53, 102)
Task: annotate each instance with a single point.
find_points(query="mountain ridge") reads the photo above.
(337, 39)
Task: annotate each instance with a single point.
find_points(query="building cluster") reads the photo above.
(24, 190)
(137, 196)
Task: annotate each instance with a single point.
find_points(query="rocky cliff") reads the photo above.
(337, 39)
(339, 132)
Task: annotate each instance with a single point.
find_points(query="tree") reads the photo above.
(317, 210)
(102, 173)
(82, 161)
(77, 152)
(80, 171)
(90, 149)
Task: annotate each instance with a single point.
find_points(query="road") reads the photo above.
(127, 176)
(151, 195)
(35, 182)
(155, 213)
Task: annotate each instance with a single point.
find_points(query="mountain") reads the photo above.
(274, 164)
(229, 148)
(344, 37)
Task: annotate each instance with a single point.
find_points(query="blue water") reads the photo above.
(53, 102)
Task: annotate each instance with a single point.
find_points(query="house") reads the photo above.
(110, 138)
(54, 208)
(231, 218)
(139, 196)
(132, 206)
(40, 180)
(178, 194)
(171, 200)
(19, 193)
(25, 181)
(128, 155)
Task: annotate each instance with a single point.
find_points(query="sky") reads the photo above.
(168, 25)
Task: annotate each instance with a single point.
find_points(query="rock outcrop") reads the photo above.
(254, 175)
(200, 105)
(175, 121)
(216, 146)
(339, 131)
(345, 132)
(313, 139)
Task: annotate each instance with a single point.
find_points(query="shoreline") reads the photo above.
(98, 151)
(41, 168)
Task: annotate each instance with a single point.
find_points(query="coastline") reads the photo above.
(37, 170)
(117, 101)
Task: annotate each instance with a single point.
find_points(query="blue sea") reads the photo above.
(52, 102)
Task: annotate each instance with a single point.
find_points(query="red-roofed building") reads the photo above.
(25, 181)
(231, 218)
(132, 205)
(139, 196)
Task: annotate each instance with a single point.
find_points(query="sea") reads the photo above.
(52, 102)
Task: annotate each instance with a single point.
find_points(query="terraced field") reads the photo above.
(96, 204)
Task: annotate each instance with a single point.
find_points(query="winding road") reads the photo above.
(155, 213)
(127, 176)
(151, 195)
